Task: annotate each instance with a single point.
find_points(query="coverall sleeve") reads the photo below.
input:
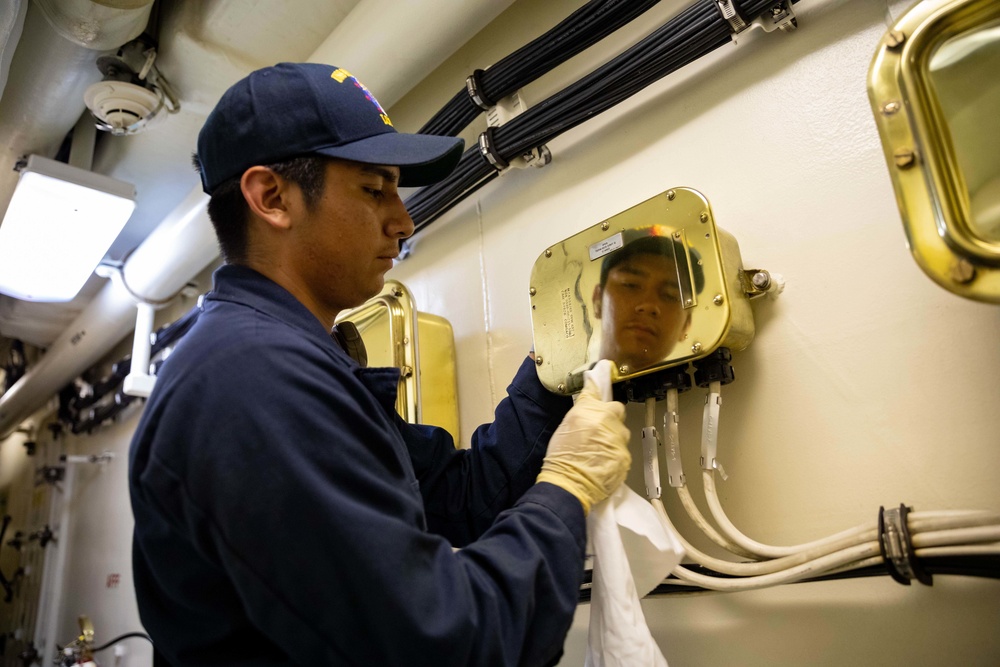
(465, 489)
(316, 519)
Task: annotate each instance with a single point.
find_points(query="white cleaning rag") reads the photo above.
(633, 550)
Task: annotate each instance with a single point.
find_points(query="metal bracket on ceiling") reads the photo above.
(779, 17)
(498, 115)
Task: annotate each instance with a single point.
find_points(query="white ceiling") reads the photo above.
(203, 48)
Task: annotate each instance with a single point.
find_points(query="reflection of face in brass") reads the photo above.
(639, 305)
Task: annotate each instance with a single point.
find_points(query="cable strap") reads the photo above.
(488, 149)
(731, 14)
(896, 546)
(474, 86)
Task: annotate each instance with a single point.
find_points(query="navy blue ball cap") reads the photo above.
(297, 109)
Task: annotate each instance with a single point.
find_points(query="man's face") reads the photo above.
(640, 311)
(345, 244)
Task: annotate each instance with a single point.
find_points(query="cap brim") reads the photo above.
(422, 158)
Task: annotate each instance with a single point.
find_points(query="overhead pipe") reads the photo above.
(185, 243)
(11, 23)
(54, 61)
(374, 54)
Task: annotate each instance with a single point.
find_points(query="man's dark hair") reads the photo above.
(661, 246)
(230, 214)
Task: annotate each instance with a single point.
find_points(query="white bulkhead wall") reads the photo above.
(867, 385)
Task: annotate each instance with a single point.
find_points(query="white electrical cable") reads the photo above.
(813, 568)
(764, 567)
(672, 427)
(943, 514)
(921, 522)
(709, 437)
(955, 537)
(766, 550)
(699, 519)
(840, 556)
(991, 549)
(650, 414)
(934, 533)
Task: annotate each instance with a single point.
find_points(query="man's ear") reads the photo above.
(267, 195)
(598, 295)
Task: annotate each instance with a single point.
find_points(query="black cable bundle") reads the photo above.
(586, 26)
(695, 32)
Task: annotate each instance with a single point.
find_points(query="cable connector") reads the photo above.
(896, 545)
(651, 462)
(710, 432)
(671, 421)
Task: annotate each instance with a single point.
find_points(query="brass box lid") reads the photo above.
(698, 282)
(421, 345)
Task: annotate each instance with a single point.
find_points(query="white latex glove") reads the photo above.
(588, 454)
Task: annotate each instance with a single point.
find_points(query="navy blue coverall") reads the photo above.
(285, 514)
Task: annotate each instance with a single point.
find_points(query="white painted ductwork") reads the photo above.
(100, 25)
(56, 58)
(11, 23)
(185, 243)
(368, 40)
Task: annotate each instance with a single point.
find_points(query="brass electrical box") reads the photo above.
(934, 86)
(422, 346)
(655, 286)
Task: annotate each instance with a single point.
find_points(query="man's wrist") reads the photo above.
(566, 485)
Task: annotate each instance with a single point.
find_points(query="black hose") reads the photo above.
(580, 30)
(128, 635)
(695, 32)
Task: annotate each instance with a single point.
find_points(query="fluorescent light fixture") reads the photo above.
(59, 225)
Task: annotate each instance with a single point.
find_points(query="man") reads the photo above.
(638, 301)
(284, 513)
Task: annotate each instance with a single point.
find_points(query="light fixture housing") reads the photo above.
(58, 227)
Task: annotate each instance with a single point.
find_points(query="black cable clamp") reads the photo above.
(655, 385)
(896, 546)
(716, 367)
(474, 86)
(488, 149)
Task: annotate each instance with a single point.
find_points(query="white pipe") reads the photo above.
(375, 55)
(12, 15)
(139, 382)
(100, 25)
(56, 61)
(55, 568)
(181, 246)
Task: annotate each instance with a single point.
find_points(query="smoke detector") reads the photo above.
(132, 93)
(122, 108)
